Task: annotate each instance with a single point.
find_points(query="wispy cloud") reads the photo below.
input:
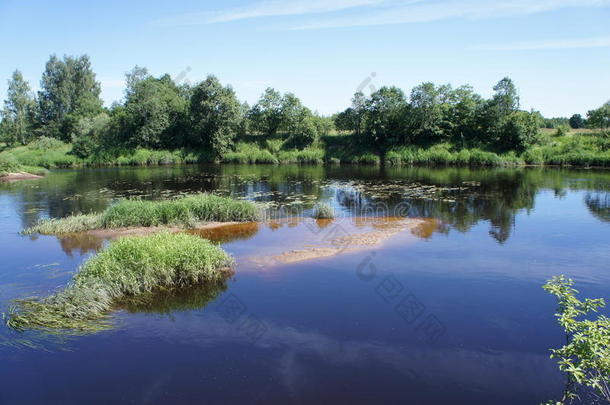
(352, 13)
(598, 42)
(269, 8)
(446, 9)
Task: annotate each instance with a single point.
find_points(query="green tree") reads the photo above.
(359, 110)
(429, 105)
(215, 115)
(89, 134)
(385, 123)
(18, 112)
(517, 131)
(600, 117)
(463, 112)
(153, 115)
(345, 120)
(267, 115)
(506, 98)
(577, 121)
(68, 92)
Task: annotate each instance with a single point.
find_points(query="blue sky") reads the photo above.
(557, 51)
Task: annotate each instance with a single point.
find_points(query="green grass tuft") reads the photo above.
(183, 212)
(323, 211)
(129, 267)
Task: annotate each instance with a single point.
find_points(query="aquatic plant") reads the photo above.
(127, 268)
(74, 223)
(585, 357)
(183, 212)
(323, 211)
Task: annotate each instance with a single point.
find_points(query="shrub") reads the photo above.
(8, 164)
(586, 355)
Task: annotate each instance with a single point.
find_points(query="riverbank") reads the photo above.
(12, 170)
(571, 149)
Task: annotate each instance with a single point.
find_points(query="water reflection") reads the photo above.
(170, 300)
(599, 205)
(459, 197)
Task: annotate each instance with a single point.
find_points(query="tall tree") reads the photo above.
(577, 121)
(428, 105)
(133, 77)
(600, 117)
(153, 114)
(359, 111)
(68, 92)
(385, 123)
(19, 108)
(506, 98)
(215, 115)
(267, 115)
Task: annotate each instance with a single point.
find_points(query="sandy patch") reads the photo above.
(359, 238)
(19, 176)
(147, 230)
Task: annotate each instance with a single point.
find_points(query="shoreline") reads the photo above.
(16, 176)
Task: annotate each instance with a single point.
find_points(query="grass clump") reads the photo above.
(129, 267)
(8, 164)
(323, 211)
(74, 223)
(183, 212)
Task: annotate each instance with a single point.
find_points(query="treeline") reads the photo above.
(157, 113)
(435, 114)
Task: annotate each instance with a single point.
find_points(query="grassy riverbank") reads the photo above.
(576, 148)
(182, 212)
(129, 267)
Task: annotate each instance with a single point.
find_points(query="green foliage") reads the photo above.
(385, 122)
(600, 117)
(127, 268)
(586, 355)
(323, 211)
(8, 164)
(153, 114)
(44, 152)
(267, 115)
(562, 130)
(71, 224)
(577, 121)
(183, 212)
(215, 115)
(89, 135)
(68, 92)
(18, 113)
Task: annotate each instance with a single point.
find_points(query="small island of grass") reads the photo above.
(127, 268)
(185, 212)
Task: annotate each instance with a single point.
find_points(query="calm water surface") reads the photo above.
(451, 312)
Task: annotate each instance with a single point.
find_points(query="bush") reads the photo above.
(8, 164)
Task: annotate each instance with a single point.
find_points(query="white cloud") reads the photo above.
(268, 8)
(598, 42)
(351, 13)
(444, 9)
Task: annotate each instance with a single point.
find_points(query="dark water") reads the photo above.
(449, 313)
